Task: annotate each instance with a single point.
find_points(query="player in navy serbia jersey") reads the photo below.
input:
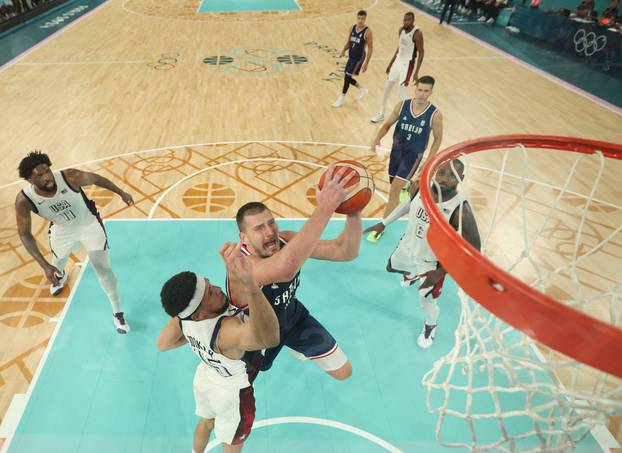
(359, 37)
(416, 118)
(277, 258)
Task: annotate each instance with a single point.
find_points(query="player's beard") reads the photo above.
(51, 189)
(225, 306)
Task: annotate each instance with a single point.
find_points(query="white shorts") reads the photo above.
(64, 239)
(231, 408)
(403, 259)
(401, 71)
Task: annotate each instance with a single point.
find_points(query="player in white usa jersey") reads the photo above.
(414, 258)
(74, 220)
(402, 68)
(202, 316)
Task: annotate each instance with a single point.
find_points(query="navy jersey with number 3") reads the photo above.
(412, 132)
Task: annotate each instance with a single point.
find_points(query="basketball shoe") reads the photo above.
(426, 337)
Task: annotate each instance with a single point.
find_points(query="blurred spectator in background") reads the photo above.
(491, 10)
(609, 15)
(586, 8)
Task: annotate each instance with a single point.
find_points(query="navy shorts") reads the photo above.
(353, 67)
(307, 336)
(403, 164)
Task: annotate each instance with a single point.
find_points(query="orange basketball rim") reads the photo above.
(546, 320)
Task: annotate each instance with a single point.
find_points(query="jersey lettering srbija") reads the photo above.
(202, 337)
(412, 132)
(415, 237)
(407, 49)
(67, 207)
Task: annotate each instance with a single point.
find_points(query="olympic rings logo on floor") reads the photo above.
(166, 61)
(588, 43)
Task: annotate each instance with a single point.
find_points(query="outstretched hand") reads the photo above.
(238, 265)
(378, 228)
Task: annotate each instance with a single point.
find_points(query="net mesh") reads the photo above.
(545, 218)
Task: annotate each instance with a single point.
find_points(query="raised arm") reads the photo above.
(78, 178)
(464, 222)
(262, 329)
(283, 265)
(171, 336)
(391, 120)
(23, 211)
(344, 247)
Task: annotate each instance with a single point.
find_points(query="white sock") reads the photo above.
(108, 281)
(429, 305)
(387, 93)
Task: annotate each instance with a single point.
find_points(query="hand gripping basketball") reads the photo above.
(355, 181)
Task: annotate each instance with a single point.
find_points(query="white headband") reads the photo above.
(196, 299)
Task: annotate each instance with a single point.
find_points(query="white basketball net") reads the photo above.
(509, 392)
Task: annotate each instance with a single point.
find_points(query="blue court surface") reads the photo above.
(101, 392)
(238, 6)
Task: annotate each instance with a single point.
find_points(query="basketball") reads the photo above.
(360, 187)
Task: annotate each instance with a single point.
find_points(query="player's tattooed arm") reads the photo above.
(78, 178)
(418, 38)
(23, 208)
(469, 232)
(469, 226)
(171, 336)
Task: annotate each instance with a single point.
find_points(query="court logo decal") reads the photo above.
(256, 62)
(166, 61)
(339, 65)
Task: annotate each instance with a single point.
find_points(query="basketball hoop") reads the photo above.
(508, 314)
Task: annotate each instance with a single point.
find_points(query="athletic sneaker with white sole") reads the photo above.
(378, 118)
(56, 289)
(426, 337)
(119, 323)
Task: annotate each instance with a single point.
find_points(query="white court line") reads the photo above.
(224, 219)
(59, 63)
(235, 142)
(223, 164)
(46, 353)
(322, 422)
(602, 102)
(17, 58)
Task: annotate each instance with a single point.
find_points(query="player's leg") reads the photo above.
(408, 165)
(203, 409)
(394, 77)
(394, 188)
(62, 242)
(201, 434)
(315, 343)
(235, 414)
(96, 242)
(428, 298)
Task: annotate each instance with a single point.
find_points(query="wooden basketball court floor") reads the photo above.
(131, 92)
